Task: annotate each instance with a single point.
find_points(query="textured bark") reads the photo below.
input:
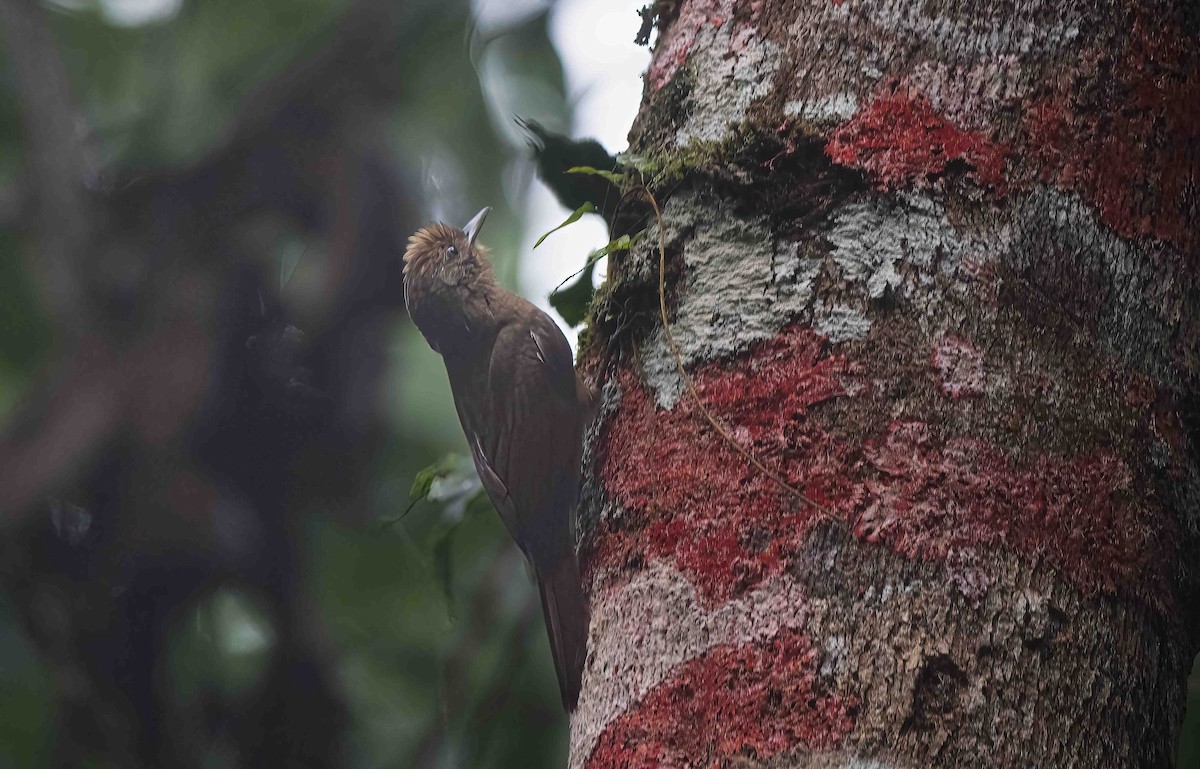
(935, 262)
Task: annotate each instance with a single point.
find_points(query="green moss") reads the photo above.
(706, 158)
(742, 158)
(772, 171)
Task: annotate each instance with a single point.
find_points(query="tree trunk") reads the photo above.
(934, 263)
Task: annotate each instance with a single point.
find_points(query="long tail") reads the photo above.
(567, 619)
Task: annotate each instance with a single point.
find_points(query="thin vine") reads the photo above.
(717, 425)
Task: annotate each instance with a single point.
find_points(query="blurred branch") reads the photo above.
(153, 389)
(55, 154)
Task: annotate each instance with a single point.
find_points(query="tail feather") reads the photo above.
(567, 620)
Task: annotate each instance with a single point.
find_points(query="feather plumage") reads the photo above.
(523, 411)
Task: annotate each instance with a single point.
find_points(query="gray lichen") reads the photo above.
(870, 240)
(740, 68)
(722, 260)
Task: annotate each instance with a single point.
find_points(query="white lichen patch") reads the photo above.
(971, 62)
(835, 107)
(877, 246)
(870, 240)
(835, 655)
(983, 32)
(1045, 241)
(738, 67)
(843, 324)
(969, 94)
(723, 259)
(1050, 246)
(643, 630)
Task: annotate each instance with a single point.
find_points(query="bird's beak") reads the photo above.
(475, 225)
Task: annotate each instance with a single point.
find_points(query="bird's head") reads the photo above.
(441, 256)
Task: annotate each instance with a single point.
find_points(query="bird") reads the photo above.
(523, 411)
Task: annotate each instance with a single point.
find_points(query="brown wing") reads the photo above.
(528, 459)
(532, 476)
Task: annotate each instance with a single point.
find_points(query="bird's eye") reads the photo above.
(451, 251)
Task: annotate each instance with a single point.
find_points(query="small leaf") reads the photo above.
(615, 178)
(422, 483)
(586, 208)
(423, 480)
(623, 243)
(573, 301)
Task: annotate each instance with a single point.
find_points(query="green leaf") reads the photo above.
(573, 301)
(422, 483)
(623, 243)
(615, 178)
(586, 208)
(423, 480)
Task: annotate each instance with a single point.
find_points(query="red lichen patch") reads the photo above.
(677, 40)
(1122, 128)
(899, 141)
(960, 365)
(688, 498)
(1082, 514)
(693, 498)
(753, 700)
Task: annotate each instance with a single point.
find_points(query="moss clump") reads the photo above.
(711, 159)
(783, 173)
(750, 156)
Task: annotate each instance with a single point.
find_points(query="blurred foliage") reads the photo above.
(162, 94)
(558, 159)
(572, 300)
(24, 332)
(26, 696)
(432, 622)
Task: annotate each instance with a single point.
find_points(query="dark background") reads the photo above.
(204, 579)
